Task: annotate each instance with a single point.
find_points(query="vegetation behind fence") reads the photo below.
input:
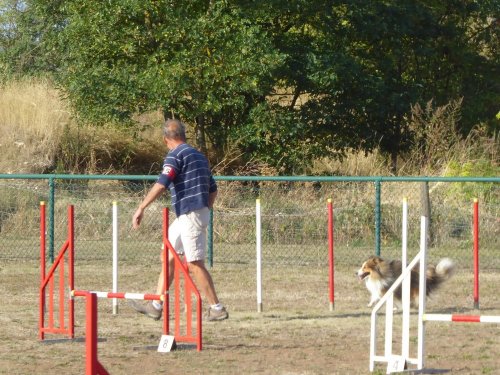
(367, 217)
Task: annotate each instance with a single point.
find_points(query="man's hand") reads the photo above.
(137, 218)
(154, 193)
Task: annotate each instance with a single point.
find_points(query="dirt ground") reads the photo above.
(295, 334)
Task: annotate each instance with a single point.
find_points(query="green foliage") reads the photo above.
(284, 81)
(278, 137)
(21, 53)
(466, 191)
(190, 59)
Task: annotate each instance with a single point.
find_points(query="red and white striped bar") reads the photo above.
(461, 318)
(149, 297)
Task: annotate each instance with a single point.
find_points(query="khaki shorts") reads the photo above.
(188, 234)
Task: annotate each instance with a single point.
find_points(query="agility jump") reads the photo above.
(60, 310)
(399, 362)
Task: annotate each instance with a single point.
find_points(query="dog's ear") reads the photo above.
(377, 262)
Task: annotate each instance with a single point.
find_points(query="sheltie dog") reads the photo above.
(380, 274)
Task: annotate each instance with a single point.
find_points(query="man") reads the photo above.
(193, 190)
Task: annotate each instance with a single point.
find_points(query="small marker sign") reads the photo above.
(167, 344)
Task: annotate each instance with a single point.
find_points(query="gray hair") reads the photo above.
(174, 129)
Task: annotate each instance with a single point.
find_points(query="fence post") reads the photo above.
(51, 218)
(377, 217)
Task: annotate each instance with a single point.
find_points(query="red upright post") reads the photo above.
(92, 364)
(330, 254)
(71, 268)
(476, 253)
(91, 332)
(41, 334)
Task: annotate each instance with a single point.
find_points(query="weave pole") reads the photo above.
(115, 256)
(331, 259)
(258, 244)
(476, 251)
(41, 323)
(165, 269)
(405, 295)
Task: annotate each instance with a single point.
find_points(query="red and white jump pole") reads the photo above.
(139, 296)
(462, 318)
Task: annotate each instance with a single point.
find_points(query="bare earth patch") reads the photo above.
(296, 333)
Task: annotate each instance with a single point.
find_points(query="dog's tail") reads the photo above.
(440, 273)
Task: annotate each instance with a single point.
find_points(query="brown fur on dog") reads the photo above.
(380, 274)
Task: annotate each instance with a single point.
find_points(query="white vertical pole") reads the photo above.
(405, 299)
(373, 340)
(115, 256)
(405, 233)
(259, 254)
(389, 311)
(422, 292)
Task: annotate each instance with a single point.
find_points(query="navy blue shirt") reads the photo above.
(187, 174)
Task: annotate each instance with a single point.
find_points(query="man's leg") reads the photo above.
(160, 286)
(204, 281)
(206, 285)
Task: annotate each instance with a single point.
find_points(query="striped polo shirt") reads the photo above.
(187, 174)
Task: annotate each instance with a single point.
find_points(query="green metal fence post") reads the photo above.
(211, 239)
(51, 218)
(377, 217)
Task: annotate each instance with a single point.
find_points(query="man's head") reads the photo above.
(174, 133)
(174, 130)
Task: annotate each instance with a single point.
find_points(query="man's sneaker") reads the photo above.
(213, 315)
(146, 309)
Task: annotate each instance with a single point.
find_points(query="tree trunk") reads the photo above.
(201, 142)
(426, 210)
(394, 162)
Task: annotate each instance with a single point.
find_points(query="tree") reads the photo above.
(284, 81)
(18, 45)
(196, 60)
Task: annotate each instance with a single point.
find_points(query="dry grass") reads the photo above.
(296, 333)
(32, 117)
(355, 163)
(39, 135)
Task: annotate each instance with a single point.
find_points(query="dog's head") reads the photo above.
(370, 267)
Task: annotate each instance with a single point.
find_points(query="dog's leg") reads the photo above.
(373, 300)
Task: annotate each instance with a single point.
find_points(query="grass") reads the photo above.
(39, 134)
(296, 333)
(32, 118)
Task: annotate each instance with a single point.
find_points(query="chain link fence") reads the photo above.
(367, 218)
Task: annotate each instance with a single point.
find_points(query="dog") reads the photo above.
(380, 274)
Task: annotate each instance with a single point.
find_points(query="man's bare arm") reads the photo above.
(152, 195)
